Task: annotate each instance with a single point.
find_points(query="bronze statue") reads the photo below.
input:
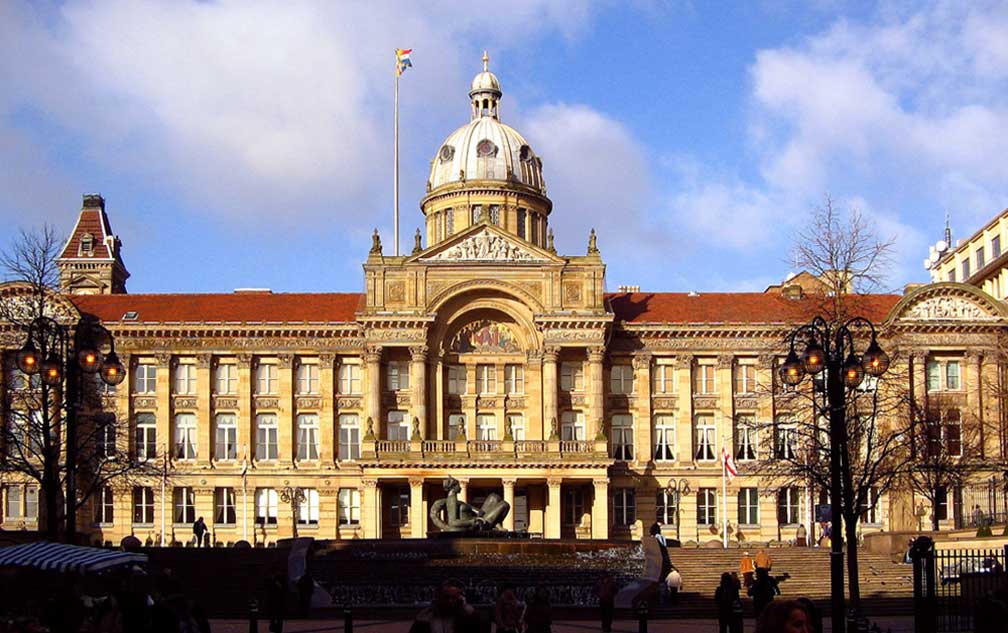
(459, 516)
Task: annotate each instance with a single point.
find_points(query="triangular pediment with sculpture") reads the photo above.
(948, 302)
(485, 243)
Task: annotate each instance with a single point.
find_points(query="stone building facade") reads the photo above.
(487, 356)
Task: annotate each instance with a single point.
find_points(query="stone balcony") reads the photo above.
(502, 451)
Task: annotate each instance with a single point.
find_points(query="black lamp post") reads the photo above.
(676, 490)
(61, 355)
(295, 496)
(832, 348)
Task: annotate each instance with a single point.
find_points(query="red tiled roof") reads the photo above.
(253, 307)
(94, 221)
(733, 307)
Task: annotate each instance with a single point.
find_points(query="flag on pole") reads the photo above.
(402, 56)
(729, 463)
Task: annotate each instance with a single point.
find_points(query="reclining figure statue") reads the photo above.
(459, 516)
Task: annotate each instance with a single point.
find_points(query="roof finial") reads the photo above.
(486, 62)
(948, 231)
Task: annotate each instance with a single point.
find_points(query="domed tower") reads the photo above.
(486, 169)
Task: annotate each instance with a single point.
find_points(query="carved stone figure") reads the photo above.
(948, 308)
(376, 247)
(549, 242)
(592, 243)
(485, 246)
(452, 515)
(417, 242)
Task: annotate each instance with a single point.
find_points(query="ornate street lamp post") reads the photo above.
(831, 348)
(61, 358)
(676, 490)
(295, 497)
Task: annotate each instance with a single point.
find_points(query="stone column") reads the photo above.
(439, 412)
(463, 494)
(684, 407)
(372, 388)
(509, 497)
(418, 521)
(643, 449)
(973, 382)
(165, 425)
(371, 509)
(725, 385)
(246, 421)
(418, 384)
(600, 509)
(596, 393)
(204, 417)
(286, 443)
(552, 527)
(327, 410)
(549, 388)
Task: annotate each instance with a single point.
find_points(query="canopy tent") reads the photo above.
(60, 557)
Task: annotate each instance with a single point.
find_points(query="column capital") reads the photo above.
(372, 354)
(285, 361)
(918, 356)
(766, 361)
(641, 360)
(418, 353)
(550, 354)
(369, 484)
(163, 359)
(245, 359)
(327, 359)
(596, 354)
(724, 361)
(684, 361)
(973, 355)
(534, 356)
(509, 483)
(416, 482)
(554, 482)
(600, 483)
(203, 360)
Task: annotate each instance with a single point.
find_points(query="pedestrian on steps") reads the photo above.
(763, 591)
(729, 605)
(748, 569)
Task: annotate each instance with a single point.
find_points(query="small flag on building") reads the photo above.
(729, 463)
(402, 56)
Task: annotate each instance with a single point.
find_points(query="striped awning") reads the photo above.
(61, 557)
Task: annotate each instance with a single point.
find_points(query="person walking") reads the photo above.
(763, 560)
(673, 582)
(448, 613)
(666, 562)
(606, 590)
(276, 602)
(801, 536)
(200, 530)
(763, 591)
(729, 605)
(509, 614)
(747, 568)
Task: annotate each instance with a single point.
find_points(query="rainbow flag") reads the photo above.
(402, 56)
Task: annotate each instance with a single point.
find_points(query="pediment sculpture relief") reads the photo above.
(956, 308)
(486, 247)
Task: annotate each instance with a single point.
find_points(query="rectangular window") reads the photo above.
(951, 275)
(664, 438)
(224, 506)
(456, 426)
(965, 270)
(397, 374)
(349, 436)
(572, 425)
(267, 437)
(15, 503)
(748, 506)
(185, 436)
(521, 223)
(486, 426)
(456, 379)
(571, 376)
(349, 506)
(143, 505)
(703, 379)
(952, 382)
(574, 506)
(941, 503)
(486, 379)
(996, 246)
(185, 379)
(745, 438)
(980, 261)
(146, 436)
(184, 501)
(786, 443)
(449, 219)
(706, 438)
(745, 378)
(308, 510)
(399, 505)
(933, 376)
(666, 510)
(622, 437)
(105, 436)
(514, 379)
(869, 511)
(951, 433)
(663, 379)
(307, 379)
(104, 506)
(227, 436)
(397, 428)
(266, 503)
(788, 506)
(621, 380)
(307, 436)
(517, 425)
(267, 379)
(495, 214)
(226, 379)
(349, 379)
(706, 509)
(145, 378)
(624, 507)
(476, 211)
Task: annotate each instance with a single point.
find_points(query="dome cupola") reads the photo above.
(485, 92)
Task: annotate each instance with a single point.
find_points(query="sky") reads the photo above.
(249, 144)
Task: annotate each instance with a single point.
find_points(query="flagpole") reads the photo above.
(724, 494)
(395, 152)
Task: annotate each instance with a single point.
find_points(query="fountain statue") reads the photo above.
(459, 516)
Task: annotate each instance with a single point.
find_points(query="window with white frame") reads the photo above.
(789, 505)
(706, 508)
(952, 381)
(17, 380)
(224, 506)
(517, 424)
(869, 510)
(572, 425)
(349, 378)
(184, 501)
(143, 505)
(787, 441)
(399, 505)
(104, 506)
(475, 213)
(449, 222)
(621, 379)
(456, 425)
(308, 510)
(397, 375)
(943, 375)
(105, 436)
(665, 507)
(622, 437)
(486, 426)
(706, 438)
(307, 378)
(514, 379)
(456, 379)
(307, 436)
(572, 376)
(495, 214)
(397, 427)
(226, 445)
(745, 378)
(574, 506)
(267, 437)
(349, 506)
(349, 436)
(745, 437)
(145, 378)
(748, 506)
(704, 379)
(185, 379)
(267, 379)
(624, 507)
(21, 502)
(146, 435)
(266, 503)
(486, 379)
(226, 379)
(185, 436)
(663, 378)
(951, 432)
(664, 438)
(933, 375)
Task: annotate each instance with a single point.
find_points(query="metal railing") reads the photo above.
(950, 584)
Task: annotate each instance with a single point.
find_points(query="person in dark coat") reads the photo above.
(276, 602)
(606, 591)
(666, 562)
(200, 530)
(763, 590)
(729, 605)
(448, 613)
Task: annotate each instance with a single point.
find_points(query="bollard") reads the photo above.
(253, 616)
(347, 619)
(642, 616)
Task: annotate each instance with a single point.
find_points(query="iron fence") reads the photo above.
(948, 584)
(982, 504)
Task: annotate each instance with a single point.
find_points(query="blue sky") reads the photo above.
(248, 144)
